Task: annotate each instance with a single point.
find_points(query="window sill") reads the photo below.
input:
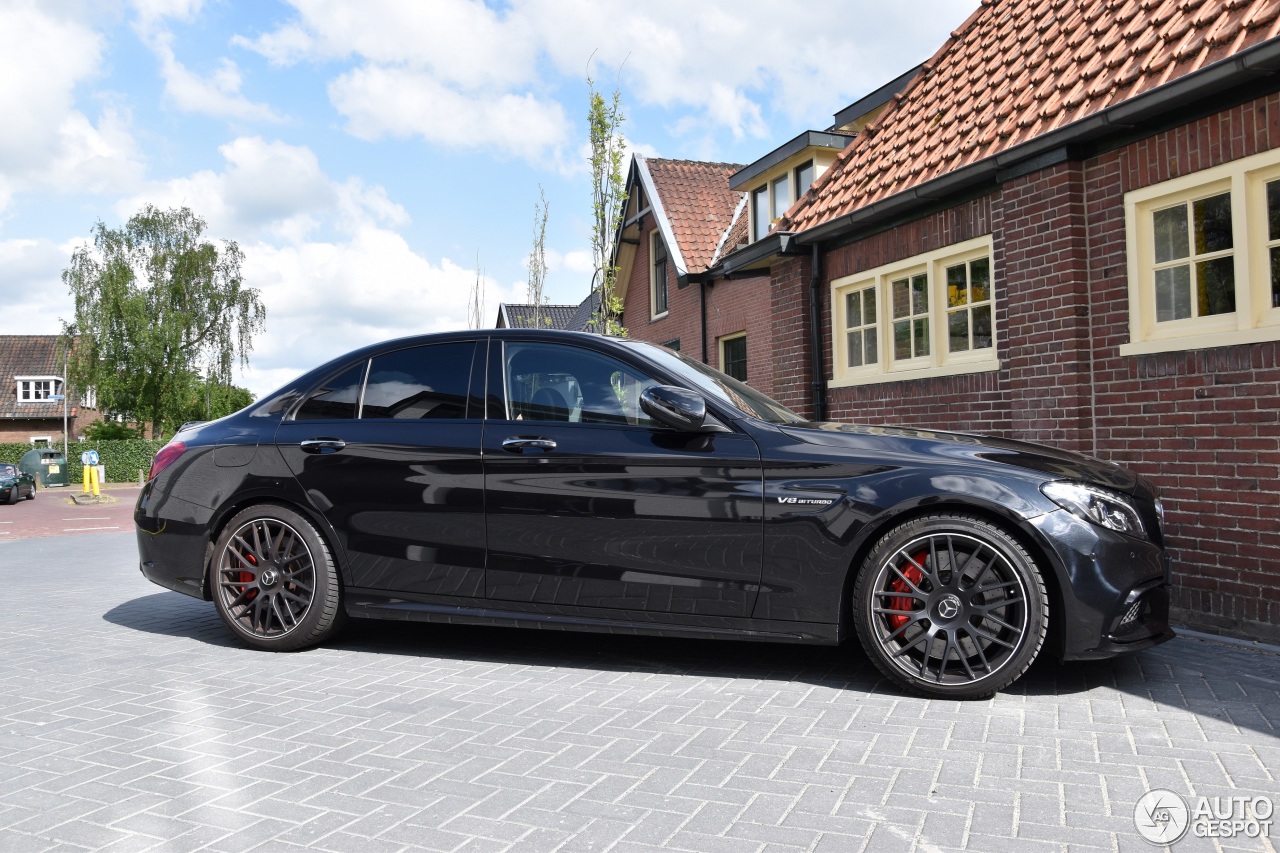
(653, 318)
(910, 375)
(1235, 337)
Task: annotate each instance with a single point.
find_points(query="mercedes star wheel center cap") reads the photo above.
(948, 606)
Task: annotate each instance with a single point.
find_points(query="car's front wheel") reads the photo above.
(950, 606)
(274, 581)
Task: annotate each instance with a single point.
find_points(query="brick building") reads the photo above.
(33, 367)
(681, 218)
(1065, 228)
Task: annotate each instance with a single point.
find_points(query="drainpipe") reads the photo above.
(815, 340)
(702, 314)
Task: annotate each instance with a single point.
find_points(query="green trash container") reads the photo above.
(47, 464)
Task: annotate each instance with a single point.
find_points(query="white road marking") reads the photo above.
(88, 518)
(75, 529)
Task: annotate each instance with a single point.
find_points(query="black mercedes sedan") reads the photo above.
(572, 481)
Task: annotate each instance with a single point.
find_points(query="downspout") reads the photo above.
(815, 340)
(702, 317)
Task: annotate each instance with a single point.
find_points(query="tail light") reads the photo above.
(166, 457)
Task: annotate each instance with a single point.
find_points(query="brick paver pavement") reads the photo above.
(54, 513)
(129, 721)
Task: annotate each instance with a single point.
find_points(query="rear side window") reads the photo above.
(422, 382)
(336, 399)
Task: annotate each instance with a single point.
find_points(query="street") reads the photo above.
(129, 720)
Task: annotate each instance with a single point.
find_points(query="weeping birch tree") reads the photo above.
(160, 312)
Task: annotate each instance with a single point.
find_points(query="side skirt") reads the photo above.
(378, 604)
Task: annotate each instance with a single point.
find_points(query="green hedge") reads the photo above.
(122, 458)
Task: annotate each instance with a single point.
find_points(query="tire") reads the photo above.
(31, 495)
(274, 581)
(944, 633)
(13, 495)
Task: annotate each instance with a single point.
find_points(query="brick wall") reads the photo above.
(1204, 425)
(733, 306)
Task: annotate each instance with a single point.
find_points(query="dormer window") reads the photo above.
(37, 389)
(760, 213)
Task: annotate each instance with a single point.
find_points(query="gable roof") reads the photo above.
(513, 316)
(1021, 70)
(698, 208)
(28, 355)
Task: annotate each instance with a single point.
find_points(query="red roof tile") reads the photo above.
(698, 203)
(1017, 69)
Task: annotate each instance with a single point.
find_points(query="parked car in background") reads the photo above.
(16, 484)
(563, 480)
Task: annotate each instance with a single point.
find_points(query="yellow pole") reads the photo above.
(85, 490)
(93, 473)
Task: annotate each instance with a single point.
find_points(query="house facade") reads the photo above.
(31, 410)
(1065, 228)
(681, 218)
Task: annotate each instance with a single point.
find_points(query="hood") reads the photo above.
(1056, 464)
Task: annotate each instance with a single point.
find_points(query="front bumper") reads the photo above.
(1114, 589)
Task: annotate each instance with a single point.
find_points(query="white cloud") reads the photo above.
(458, 71)
(31, 287)
(216, 94)
(270, 190)
(379, 101)
(325, 298)
(47, 142)
(331, 270)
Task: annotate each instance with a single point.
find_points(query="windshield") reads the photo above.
(717, 385)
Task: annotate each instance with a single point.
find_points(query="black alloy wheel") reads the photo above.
(951, 606)
(275, 584)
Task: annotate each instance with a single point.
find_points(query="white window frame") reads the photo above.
(1254, 320)
(939, 361)
(655, 240)
(23, 383)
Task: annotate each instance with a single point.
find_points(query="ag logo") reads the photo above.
(1161, 816)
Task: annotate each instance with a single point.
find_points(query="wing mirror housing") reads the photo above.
(678, 408)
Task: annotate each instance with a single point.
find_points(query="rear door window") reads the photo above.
(421, 382)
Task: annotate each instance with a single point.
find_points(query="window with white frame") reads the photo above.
(931, 315)
(38, 389)
(1204, 258)
(658, 276)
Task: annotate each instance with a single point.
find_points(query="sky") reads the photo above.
(373, 159)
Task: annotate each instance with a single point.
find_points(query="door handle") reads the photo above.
(323, 445)
(519, 443)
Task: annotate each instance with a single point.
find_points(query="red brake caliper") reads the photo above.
(247, 577)
(905, 602)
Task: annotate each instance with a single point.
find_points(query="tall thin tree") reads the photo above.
(608, 200)
(538, 263)
(475, 306)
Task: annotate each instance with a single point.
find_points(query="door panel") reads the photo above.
(599, 507)
(403, 483)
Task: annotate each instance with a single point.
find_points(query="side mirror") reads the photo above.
(675, 407)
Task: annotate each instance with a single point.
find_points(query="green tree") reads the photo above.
(109, 431)
(158, 307)
(212, 399)
(608, 200)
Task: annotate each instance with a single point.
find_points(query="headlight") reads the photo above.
(1101, 506)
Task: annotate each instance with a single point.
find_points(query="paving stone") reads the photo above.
(150, 729)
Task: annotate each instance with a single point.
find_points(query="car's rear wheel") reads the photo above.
(951, 606)
(31, 495)
(274, 581)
